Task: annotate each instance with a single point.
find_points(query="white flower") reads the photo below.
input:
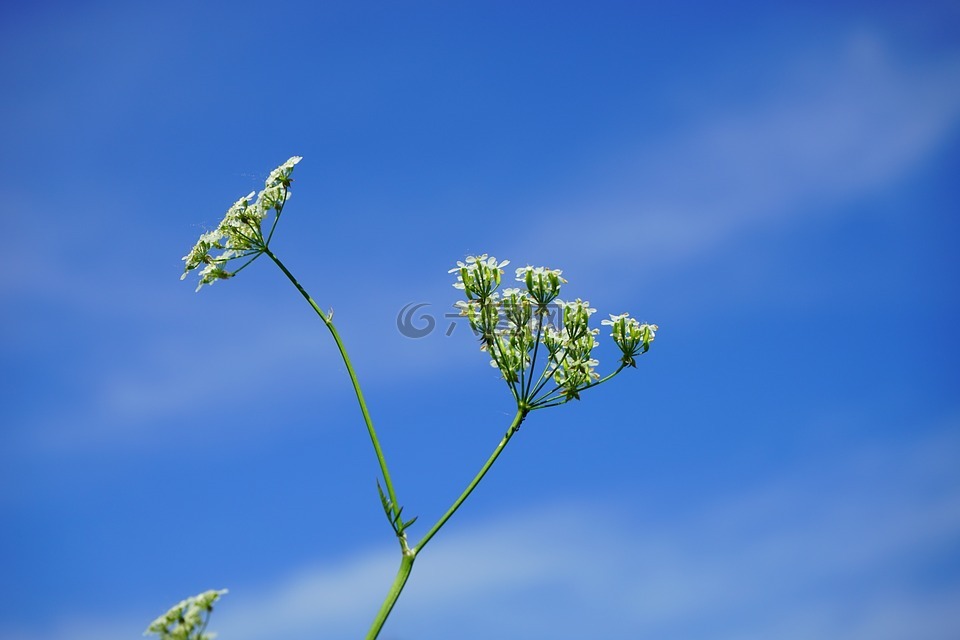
(239, 234)
(576, 317)
(650, 331)
(630, 336)
(478, 276)
(575, 374)
(281, 175)
(554, 340)
(518, 310)
(542, 283)
(272, 198)
(615, 319)
(211, 273)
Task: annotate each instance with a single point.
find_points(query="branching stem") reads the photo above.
(328, 321)
(409, 555)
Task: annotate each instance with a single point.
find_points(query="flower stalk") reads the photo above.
(368, 421)
(541, 345)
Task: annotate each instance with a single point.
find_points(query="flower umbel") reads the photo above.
(479, 276)
(632, 337)
(542, 283)
(516, 327)
(240, 234)
(513, 324)
(187, 620)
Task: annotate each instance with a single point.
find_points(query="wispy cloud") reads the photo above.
(840, 123)
(843, 547)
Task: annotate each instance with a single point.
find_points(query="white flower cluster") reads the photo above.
(479, 276)
(570, 347)
(240, 233)
(543, 284)
(187, 620)
(516, 324)
(632, 337)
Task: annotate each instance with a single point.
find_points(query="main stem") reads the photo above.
(406, 564)
(327, 320)
(409, 555)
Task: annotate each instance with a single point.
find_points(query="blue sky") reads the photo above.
(773, 184)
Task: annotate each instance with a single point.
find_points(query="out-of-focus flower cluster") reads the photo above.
(240, 233)
(187, 620)
(516, 325)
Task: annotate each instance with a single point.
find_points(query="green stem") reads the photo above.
(353, 378)
(533, 360)
(514, 426)
(406, 564)
(550, 400)
(409, 555)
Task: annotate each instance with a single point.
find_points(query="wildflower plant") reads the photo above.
(541, 345)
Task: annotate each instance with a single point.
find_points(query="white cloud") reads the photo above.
(838, 125)
(835, 549)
